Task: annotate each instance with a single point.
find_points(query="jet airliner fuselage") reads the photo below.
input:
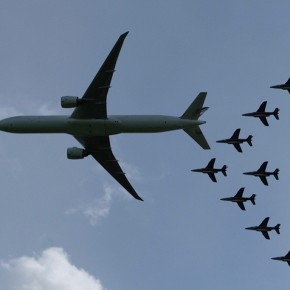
(96, 127)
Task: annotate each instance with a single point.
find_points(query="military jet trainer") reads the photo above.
(263, 174)
(236, 141)
(285, 258)
(262, 114)
(239, 199)
(264, 229)
(285, 86)
(210, 170)
(91, 125)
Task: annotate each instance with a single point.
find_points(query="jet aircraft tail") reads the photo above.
(252, 199)
(275, 173)
(276, 113)
(277, 229)
(249, 140)
(193, 112)
(224, 170)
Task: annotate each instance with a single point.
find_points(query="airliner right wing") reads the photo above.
(99, 147)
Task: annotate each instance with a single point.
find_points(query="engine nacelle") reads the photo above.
(76, 153)
(70, 102)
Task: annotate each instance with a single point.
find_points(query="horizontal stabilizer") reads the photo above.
(196, 134)
(194, 111)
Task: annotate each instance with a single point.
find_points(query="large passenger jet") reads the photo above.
(91, 126)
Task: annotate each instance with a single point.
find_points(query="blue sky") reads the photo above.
(69, 221)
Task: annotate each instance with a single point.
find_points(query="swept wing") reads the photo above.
(236, 134)
(266, 235)
(264, 121)
(264, 223)
(211, 163)
(212, 177)
(263, 167)
(264, 180)
(241, 205)
(238, 147)
(96, 94)
(100, 149)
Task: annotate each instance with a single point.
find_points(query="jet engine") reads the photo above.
(76, 153)
(70, 102)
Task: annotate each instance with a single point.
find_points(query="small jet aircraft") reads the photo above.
(264, 229)
(210, 170)
(285, 258)
(239, 199)
(91, 125)
(236, 141)
(262, 173)
(262, 114)
(285, 86)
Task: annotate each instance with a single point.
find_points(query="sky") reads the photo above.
(66, 224)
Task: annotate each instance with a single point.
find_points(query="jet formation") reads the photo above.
(91, 125)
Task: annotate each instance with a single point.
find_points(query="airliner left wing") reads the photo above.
(94, 101)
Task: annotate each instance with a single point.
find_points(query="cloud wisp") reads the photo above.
(98, 209)
(52, 270)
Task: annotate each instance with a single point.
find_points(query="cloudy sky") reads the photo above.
(67, 224)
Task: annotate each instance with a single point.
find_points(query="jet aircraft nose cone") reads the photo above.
(249, 228)
(275, 87)
(276, 258)
(220, 141)
(247, 173)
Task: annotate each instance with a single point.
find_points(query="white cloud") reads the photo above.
(52, 270)
(98, 209)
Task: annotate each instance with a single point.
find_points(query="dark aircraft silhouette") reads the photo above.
(91, 125)
(285, 258)
(239, 199)
(262, 114)
(264, 229)
(236, 141)
(210, 170)
(262, 173)
(285, 86)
